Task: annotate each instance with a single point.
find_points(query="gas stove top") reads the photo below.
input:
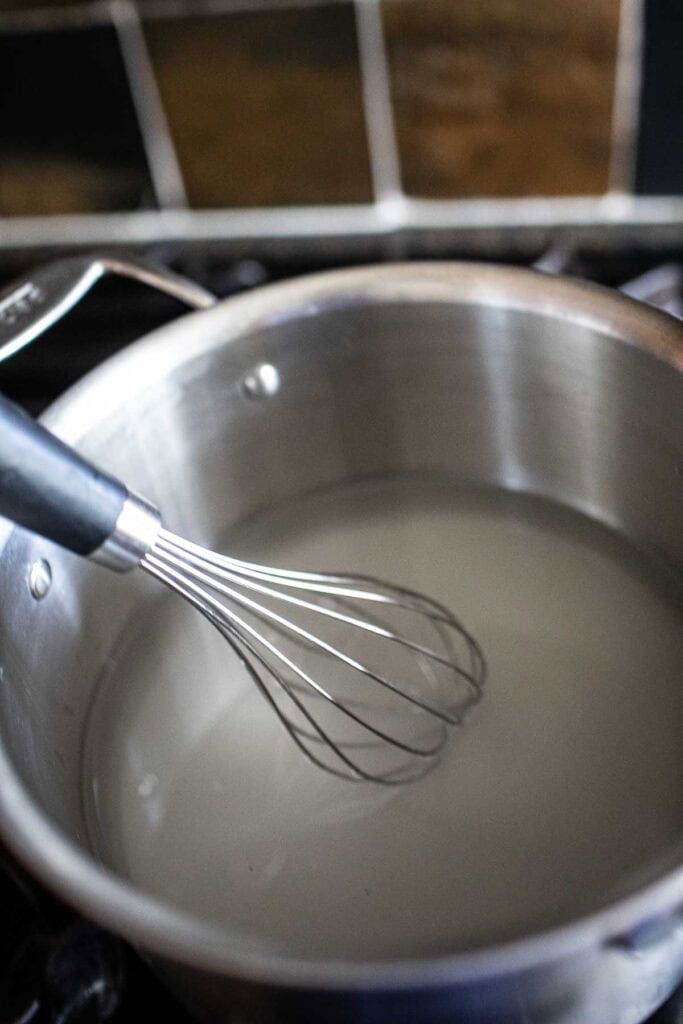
(55, 967)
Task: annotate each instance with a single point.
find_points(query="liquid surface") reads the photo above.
(562, 792)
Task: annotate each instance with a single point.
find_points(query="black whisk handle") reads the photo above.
(48, 488)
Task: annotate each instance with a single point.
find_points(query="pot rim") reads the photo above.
(176, 935)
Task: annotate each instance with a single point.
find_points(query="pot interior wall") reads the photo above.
(476, 393)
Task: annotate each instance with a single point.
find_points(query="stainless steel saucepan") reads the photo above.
(484, 373)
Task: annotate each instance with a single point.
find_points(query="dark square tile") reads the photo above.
(265, 107)
(503, 97)
(659, 165)
(69, 138)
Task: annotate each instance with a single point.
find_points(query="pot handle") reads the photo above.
(33, 304)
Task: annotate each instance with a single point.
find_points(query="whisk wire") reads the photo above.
(237, 634)
(329, 649)
(175, 548)
(216, 585)
(239, 627)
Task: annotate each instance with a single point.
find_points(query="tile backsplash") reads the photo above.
(367, 116)
(264, 107)
(503, 97)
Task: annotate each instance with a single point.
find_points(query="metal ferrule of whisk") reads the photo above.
(136, 531)
(367, 678)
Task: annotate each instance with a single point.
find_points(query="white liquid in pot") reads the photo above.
(563, 790)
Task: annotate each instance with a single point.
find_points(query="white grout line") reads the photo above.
(603, 219)
(161, 155)
(378, 107)
(626, 103)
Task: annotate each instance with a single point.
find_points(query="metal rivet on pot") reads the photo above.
(261, 382)
(40, 578)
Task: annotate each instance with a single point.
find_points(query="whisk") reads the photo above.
(367, 678)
